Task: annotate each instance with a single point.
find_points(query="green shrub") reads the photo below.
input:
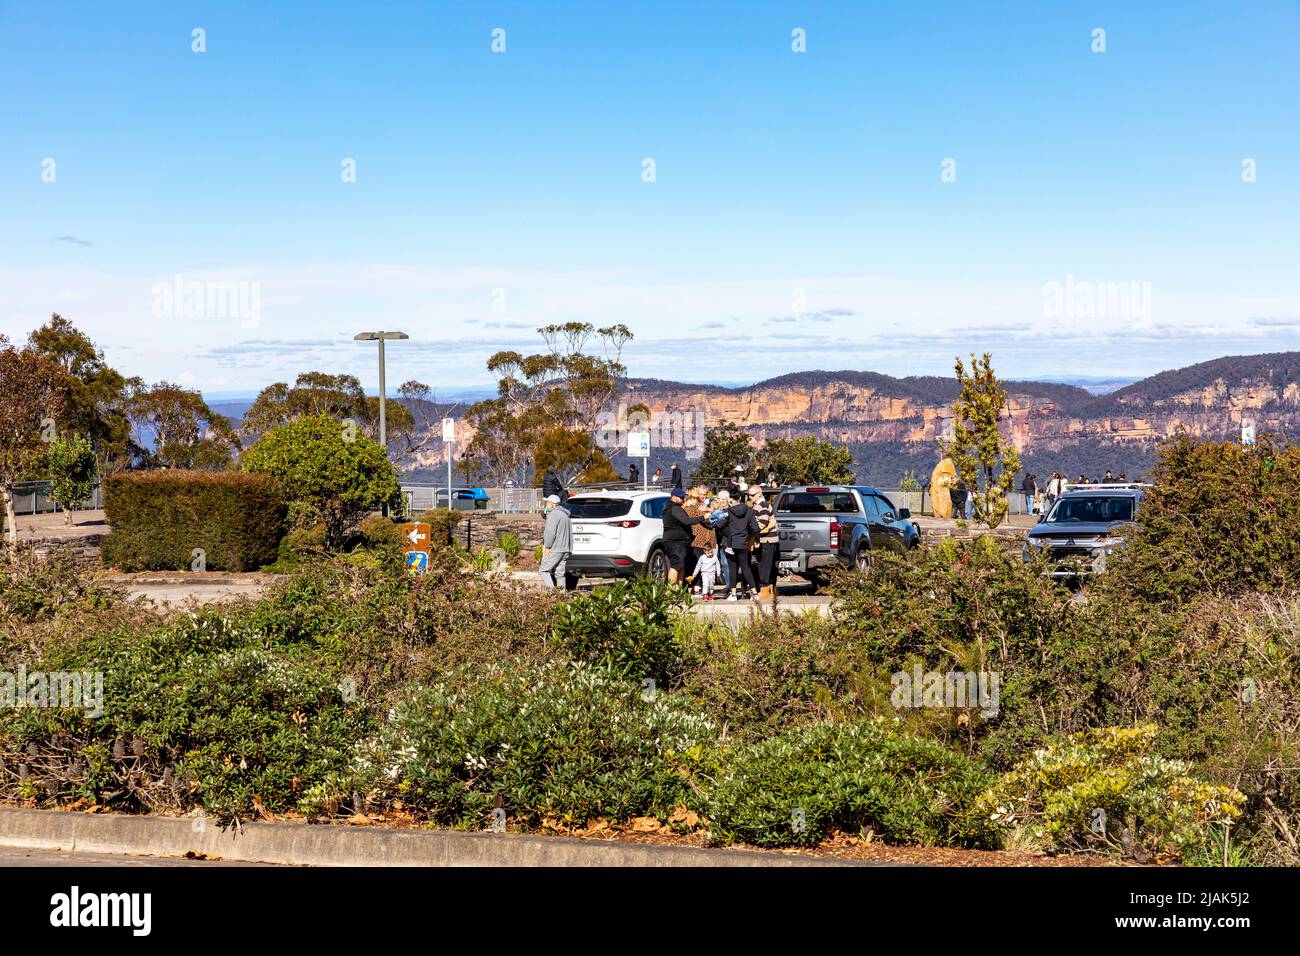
(483, 560)
(1062, 666)
(1222, 518)
(303, 515)
(385, 626)
(969, 593)
(970, 607)
(197, 712)
(1105, 789)
(771, 674)
(557, 740)
(35, 588)
(376, 531)
(626, 627)
(301, 544)
(160, 518)
(509, 543)
(321, 462)
(801, 786)
(442, 524)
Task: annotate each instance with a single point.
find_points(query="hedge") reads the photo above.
(159, 518)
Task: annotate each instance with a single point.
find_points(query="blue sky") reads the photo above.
(798, 216)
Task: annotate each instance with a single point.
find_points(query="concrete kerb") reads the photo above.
(331, 845)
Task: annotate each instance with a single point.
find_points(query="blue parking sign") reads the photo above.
(417, 562)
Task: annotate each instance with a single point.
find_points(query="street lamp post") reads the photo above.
(383, 391)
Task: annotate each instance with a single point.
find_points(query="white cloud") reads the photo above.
(309, 314)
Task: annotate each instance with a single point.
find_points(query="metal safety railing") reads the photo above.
(517, 500)
(521, 500)
(33, 497)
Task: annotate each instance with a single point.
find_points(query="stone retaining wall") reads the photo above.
(481, 529)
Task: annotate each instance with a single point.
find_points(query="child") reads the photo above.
(706, 570)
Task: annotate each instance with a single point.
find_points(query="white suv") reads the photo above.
(617, 534)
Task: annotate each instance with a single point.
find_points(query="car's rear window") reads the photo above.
(1094, 508)
(816, 502)
(596, 508)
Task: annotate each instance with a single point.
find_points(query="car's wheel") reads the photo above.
(864, 560)
(656, 565)
(817, 580)
(571, 582)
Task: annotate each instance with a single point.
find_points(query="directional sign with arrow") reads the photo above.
(416, 543)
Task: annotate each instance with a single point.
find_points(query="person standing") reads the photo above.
(718, 519)
(706, 571)
(769, 543)
(633, 474)
(741, 525)
(737, 476)
(675, 476)
(958, 492)
(702, 534)
(557, 544)
(657, 478)
(678, 536)
(1030, 487)
(1055, 487)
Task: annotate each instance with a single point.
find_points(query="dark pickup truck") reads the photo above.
(827, 526)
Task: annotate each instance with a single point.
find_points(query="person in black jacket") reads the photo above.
(741, 525)
(1029, 486)
(675, 476)
(678, 536)
(551, 486)
(633, 473)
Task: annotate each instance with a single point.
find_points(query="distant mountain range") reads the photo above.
(892, 424)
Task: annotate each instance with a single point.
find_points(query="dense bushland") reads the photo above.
(1164, 697)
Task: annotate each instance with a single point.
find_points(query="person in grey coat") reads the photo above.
(557, 543)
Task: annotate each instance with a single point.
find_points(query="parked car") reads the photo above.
(827, 526)
(617, 534)
(1084, 527)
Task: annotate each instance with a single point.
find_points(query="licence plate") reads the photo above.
(787, 565)
(582, 539)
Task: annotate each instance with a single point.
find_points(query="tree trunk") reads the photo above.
(11, 519)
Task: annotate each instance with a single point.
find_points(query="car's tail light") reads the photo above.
(817, 490)
(835, 535)
(629, 523)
